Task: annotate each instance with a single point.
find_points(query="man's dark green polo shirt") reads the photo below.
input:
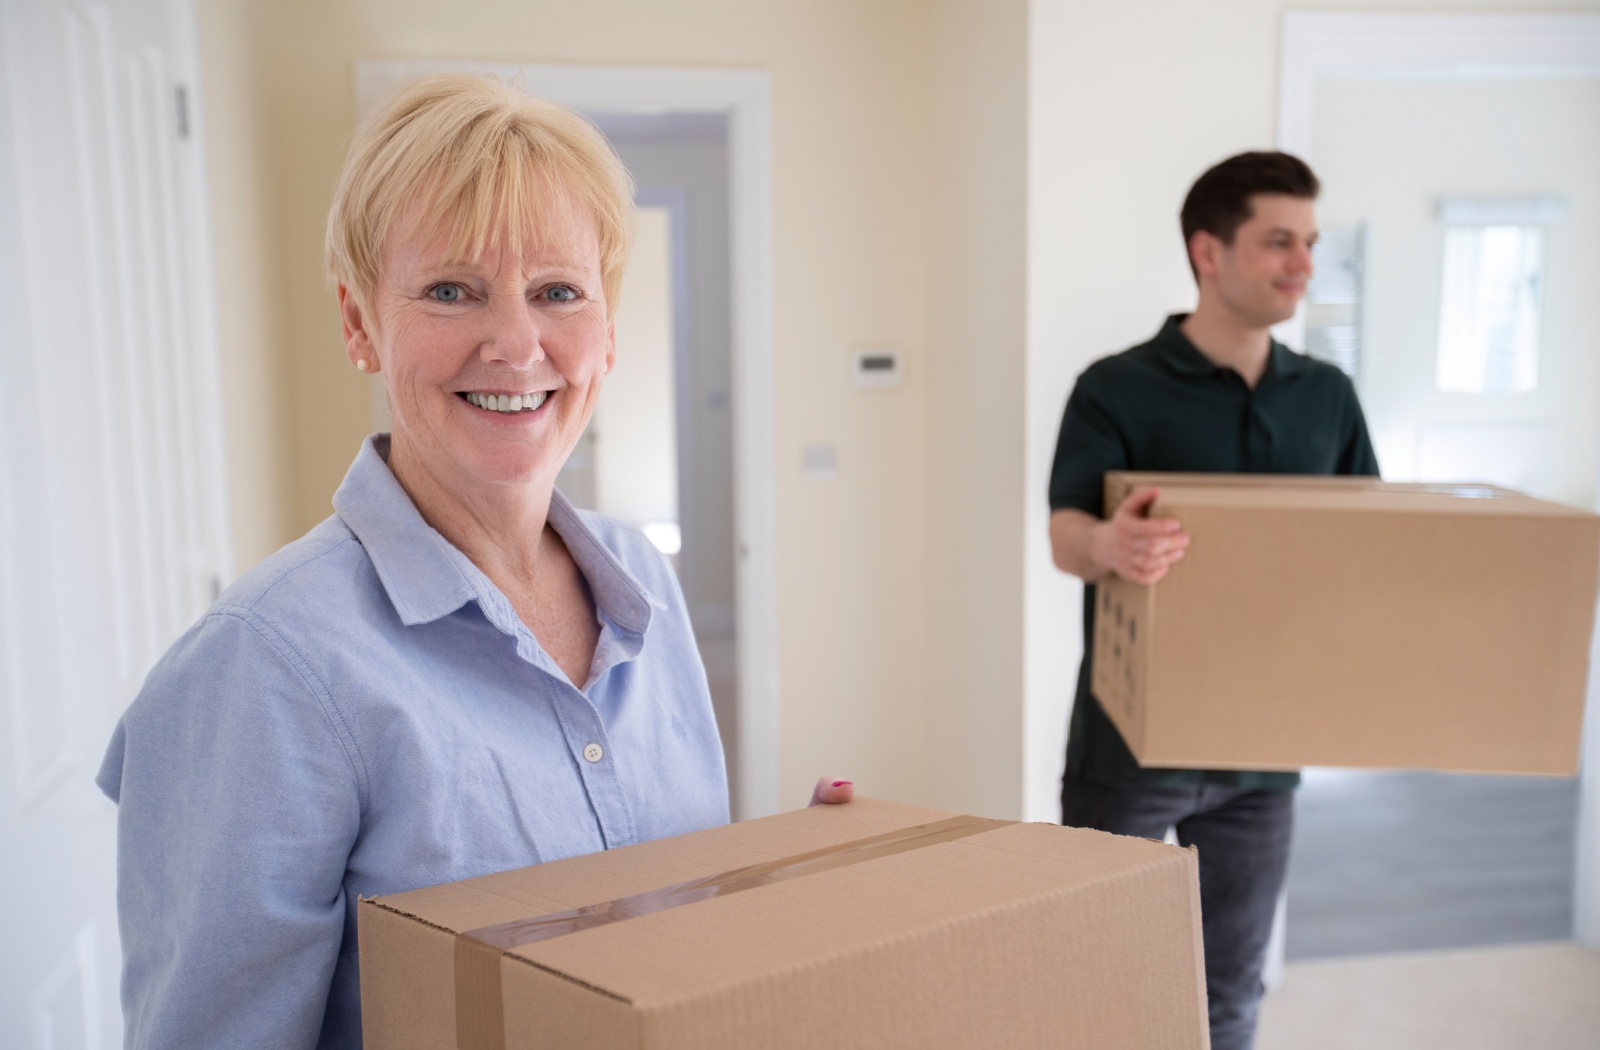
(1164, 405)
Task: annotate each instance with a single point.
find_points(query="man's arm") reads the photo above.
(1130, 545)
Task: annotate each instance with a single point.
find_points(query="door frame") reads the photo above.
(1464, 47)
(744, 97)
(675, 201)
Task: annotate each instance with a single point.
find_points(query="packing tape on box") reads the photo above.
(480, 1006)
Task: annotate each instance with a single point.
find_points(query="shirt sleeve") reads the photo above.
(239, 803)
(1089, 445)
(1357, 455)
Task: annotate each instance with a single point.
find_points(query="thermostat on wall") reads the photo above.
(877, 367)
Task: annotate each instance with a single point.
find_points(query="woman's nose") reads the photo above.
(514, 335)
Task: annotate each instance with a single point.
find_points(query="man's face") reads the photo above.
(1260, 277)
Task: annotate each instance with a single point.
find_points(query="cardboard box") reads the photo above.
(930, 930)
(1119, 483)
(1353, 622)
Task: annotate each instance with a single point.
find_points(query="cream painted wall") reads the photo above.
(1388, 151)
(971, 450)
(1127, 104)
(851, 155)
(244, 246)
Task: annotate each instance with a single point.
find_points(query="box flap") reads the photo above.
(1361, 499)
(1119, 483)
(596, 877)
(705, 948)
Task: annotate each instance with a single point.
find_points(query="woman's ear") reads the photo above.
(358, 343)
(611, 348)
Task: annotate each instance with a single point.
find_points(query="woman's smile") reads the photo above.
(525, 404)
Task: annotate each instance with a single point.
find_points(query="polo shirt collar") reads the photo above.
(1285, 362)
(427, 578)
(1179, 354)
(1184, 358)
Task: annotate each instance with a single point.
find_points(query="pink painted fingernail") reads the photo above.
(841, 783)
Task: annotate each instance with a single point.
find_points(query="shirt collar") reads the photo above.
(412, 560)
(1180, 355)
(1184, 358)
(427, 578)
(1286, 362)
(617, 594)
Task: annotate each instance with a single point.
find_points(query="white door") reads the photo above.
(112, 534)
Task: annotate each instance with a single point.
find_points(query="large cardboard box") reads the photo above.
(1353, 622)
(870, 924)
(1120, 483)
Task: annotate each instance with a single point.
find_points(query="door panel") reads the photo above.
(112, 535)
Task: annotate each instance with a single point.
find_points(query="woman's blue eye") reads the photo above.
(445, 293)
(563, 294)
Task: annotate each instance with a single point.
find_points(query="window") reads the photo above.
(1492, 292)
(1489, 309)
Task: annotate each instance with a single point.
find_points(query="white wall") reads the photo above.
(1387, 152)
(1586, 888)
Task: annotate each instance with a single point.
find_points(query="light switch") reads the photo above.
(819, 462)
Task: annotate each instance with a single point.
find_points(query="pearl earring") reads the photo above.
(361, 363)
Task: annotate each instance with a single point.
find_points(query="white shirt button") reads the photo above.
(593, 752)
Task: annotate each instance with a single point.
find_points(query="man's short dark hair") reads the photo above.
(1219, 200)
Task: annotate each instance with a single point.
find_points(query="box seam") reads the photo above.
(608, 993)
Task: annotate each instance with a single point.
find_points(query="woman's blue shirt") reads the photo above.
(362, 714)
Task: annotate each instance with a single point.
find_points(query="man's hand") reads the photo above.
(831, 792)
(1137, 548)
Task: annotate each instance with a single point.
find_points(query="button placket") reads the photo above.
(586, 736)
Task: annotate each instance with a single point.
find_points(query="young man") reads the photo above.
(1211, 392)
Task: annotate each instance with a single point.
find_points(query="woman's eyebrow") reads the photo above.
(448, 268)
(561, 263)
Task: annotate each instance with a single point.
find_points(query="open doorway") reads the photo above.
(1462, 186)
(658, 454)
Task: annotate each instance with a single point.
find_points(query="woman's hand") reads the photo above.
(831, 792)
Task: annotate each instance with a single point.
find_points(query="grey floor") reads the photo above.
(1390, 862)
(1525, 997)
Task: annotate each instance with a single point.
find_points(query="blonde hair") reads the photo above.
(484, 160)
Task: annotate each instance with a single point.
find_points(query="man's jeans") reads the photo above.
(1243, 840)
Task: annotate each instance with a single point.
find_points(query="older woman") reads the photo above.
(456, 673)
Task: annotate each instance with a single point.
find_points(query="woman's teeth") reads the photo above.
(509, 403)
